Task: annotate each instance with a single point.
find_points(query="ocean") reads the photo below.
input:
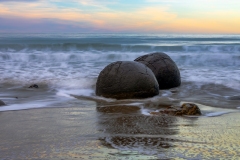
(66, 67)
(69, 64)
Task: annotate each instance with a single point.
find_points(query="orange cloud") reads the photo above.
(143, 19)
(3, 10)
(215, 22)
(148, 19)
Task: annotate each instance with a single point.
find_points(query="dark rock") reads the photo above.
(186, 109)
(190, 109)
(125, 80)
(33, 86)
(164, 68)
(2, 103)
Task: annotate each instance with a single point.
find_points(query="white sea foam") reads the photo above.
(214, 114)
(209, 111)
(30, 105)
(63, 94)
(166, 93)
(145, 111)
(79, 92)
(80, 68)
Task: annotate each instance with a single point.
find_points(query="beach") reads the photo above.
(65, 119)
(85, 133)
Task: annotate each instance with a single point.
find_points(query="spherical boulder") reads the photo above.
(164, 68)
(126, 80)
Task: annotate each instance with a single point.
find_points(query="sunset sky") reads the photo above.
(120, 16)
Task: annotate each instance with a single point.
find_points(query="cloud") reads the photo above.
(23, 25)
(46, 17)
(75, 20)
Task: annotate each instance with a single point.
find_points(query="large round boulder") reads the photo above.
(126, 80)
(164, 68)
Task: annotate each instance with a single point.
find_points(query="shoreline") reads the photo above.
(84, 132)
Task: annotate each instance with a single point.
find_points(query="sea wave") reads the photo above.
(106, 47)
(181, 59)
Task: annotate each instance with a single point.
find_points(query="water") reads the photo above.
(66, 67)
(65, 64)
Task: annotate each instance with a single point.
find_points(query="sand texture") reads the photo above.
(92, 133)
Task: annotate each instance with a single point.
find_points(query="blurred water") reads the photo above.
(65, 64)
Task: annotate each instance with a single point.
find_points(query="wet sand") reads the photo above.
(89, 132)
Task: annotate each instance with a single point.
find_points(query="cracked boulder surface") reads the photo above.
(126, 80)
(163, 67)
(2, 103)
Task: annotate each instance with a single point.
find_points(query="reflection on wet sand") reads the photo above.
(119, 109)
(125, 128)
(166, 137)
(129, 131)
(109, 129)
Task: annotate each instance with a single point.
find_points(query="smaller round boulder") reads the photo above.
(164, 68)
(126, 80)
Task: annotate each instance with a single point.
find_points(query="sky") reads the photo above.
(120, 16)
